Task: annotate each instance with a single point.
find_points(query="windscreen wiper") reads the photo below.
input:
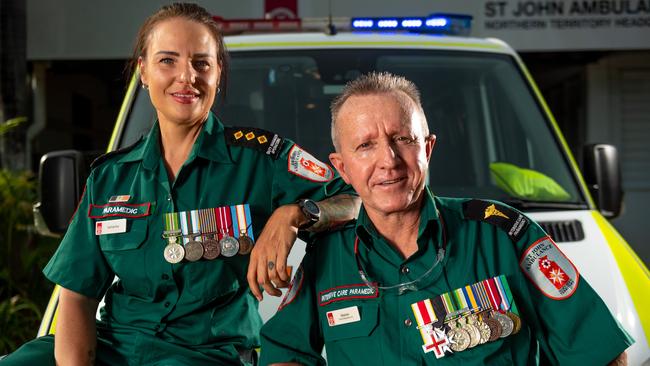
(522, 204)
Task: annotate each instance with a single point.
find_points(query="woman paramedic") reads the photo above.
(165, 228)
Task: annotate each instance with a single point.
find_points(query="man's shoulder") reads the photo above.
(488, 212)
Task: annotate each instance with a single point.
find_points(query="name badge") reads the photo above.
(343, 316)
(110, 227)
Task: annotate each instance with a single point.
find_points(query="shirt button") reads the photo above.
(167, 304)
(408, 322)
(405, 270)
(169, 197)
(165, 277)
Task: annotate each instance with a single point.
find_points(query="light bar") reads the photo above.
(439, 23)
(363, 23)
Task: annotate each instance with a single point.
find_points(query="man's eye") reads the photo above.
(167, 60)
(405, 140)
(363, 145)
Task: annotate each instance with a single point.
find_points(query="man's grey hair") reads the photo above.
(379, 83)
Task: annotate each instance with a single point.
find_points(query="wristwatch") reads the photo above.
(311, 211)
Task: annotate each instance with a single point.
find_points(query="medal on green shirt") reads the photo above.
(242, 226)
(173, 252)
(190, 229)
(229, 245)
(211, 247)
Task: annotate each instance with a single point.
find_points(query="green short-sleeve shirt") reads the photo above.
(204, 305)
(571, 325)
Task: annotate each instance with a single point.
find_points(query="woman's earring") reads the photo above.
(145, 87)
(218, 90)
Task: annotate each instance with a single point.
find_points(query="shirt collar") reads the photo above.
(365, 229)
(210, 145)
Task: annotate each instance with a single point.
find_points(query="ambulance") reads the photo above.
(496, 137)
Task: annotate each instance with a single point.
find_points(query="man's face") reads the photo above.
(383, 152)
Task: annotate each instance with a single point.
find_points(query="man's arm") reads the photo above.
(76, 337)
(268, 261)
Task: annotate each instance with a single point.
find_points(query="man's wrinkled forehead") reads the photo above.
(410, 114)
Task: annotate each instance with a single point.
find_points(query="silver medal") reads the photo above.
(507, 324)
(174, 253)
(229, 246)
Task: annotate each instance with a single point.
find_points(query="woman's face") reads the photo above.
(181, 70)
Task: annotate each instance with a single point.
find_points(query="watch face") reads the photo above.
(311, 207)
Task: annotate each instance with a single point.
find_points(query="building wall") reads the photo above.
(619, 113)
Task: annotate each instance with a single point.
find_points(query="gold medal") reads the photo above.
(458, 337)
(474, 333)
(484, 329)
(495, 329)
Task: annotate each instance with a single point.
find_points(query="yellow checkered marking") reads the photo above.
(238, 135)
(262, 139)
(250, 136)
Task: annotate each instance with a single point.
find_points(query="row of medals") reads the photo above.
(469, 331)
(209, 249)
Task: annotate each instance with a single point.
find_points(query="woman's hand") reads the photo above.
(268, 262)
(75, 340)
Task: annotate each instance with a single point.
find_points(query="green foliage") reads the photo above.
(23, 288)
(11, 123)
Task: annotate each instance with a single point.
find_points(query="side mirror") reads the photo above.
(602, 174)
(62, 176)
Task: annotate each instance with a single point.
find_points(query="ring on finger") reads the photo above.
(271, 265)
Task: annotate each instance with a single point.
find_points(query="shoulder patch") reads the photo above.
(549, 269)
(305, 165)
(511, 221)
(102, 158)
(255, 138)
(294, 288)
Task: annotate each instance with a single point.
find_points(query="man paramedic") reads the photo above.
(420, 279)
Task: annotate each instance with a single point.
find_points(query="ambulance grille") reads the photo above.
(563, 231)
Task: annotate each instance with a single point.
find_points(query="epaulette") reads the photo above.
(511, 221)
(255, 138)
(102, 158)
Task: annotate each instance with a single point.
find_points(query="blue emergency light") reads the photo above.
(438, 23)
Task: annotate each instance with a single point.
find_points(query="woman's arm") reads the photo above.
(267, 266)
(75, 340)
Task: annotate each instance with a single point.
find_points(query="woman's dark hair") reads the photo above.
(192, 12)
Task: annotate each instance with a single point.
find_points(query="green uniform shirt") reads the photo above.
(204, 306)
(578, 329)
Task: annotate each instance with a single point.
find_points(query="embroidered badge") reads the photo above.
(120, 198)
(267, 142)
(511, 221)
(347, 292)
(304, 165)
(550, 270)
(119, 210)
(294, 288)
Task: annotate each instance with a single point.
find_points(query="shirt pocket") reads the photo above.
(127, 258)
(208, 280)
